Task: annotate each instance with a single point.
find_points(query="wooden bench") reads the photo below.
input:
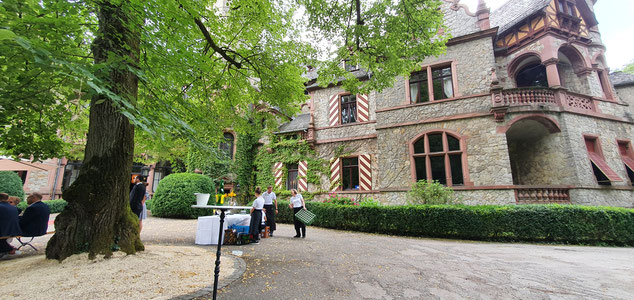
(26, 243)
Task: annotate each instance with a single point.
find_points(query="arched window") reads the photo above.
(227, 145)
(438, 156)
(532, 75)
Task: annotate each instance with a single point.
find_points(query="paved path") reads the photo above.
(331, 264)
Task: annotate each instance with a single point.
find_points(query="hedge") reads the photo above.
(11, 184)
(56, 206)
(568, 224)
(175, 196)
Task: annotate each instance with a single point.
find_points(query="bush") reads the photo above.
(11, 184)
(175, 196)
(429, 192)
(56, 206)
(532, 223)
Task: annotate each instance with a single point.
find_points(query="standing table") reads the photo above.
(222, 209)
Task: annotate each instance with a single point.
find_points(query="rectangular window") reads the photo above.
(605, 86)
(418, 87)
(602, 171)
(348, 109)
(627, 155)
(441, 83)
(350, 172)
(291, 179)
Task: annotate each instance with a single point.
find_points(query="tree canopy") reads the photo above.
(177, 73)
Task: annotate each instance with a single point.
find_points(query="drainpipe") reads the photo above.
(59, 164)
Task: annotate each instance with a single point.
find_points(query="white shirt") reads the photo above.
(297, 200)
(258, 203)
(269, 197)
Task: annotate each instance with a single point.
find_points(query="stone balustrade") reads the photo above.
(542, 195)
(514, 97)
(555, 97)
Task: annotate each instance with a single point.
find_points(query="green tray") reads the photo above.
(305, 216)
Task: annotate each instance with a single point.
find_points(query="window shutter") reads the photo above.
(333, 110)
(363, 108)
(302, 169)
(278, 173)
(335, 174)
(365, 172)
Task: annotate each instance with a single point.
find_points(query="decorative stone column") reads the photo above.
(499, 107)
(552, 73)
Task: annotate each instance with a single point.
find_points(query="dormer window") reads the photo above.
(567, 7)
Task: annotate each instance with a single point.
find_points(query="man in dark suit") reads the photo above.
(9, 225)
(136, 196)
(34, 221)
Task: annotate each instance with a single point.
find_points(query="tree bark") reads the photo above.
(98, 218)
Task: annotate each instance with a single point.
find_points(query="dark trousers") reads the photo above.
(270, 216)
(254, 226)
(4, 246)
(298, 224)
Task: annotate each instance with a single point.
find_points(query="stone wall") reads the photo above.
(482, 197)
(474, 62)
(426, 111)
(486, 150)
(321, 98)
(545, 161)
(573, 129)
(603, 197)
(626, 95)
(458, 22)
(352, 148)
(37, 181)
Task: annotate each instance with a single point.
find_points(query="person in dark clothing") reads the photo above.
(136, 196)
(297, 204)
(256, 216)
(9, 225)
(34, 221)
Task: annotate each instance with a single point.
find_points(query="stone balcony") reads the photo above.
(554, 99)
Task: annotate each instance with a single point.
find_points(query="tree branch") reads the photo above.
(212, 44)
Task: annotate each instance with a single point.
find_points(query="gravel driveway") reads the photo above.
(331, 264)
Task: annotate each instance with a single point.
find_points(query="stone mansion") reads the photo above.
(520, 109)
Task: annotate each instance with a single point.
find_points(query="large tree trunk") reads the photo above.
(98, 218)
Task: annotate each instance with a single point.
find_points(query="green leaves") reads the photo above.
(6, 34)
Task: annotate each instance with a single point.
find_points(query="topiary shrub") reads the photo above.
(56, 206)
(11, 184)
(175, 196)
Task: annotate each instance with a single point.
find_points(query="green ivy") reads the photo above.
(246, 151)
(289, 151)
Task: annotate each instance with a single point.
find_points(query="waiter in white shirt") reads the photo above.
(269, 201)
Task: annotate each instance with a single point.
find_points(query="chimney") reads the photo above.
(482, 13)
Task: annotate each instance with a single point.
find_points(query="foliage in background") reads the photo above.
(288, 152)
(568, 224)
(429, 192)
(11, 184)
(629, 68)
(175, 196)
(56, 206)
(246, 152)
(341, 200)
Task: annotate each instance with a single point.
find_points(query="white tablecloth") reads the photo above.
(207, 227)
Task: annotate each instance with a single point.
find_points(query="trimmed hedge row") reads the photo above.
(11, 184)
(56, 206)
(534, 223)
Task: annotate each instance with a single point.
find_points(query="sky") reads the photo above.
(616, 24)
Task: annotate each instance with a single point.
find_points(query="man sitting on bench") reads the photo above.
(9, 225)
(34, 220)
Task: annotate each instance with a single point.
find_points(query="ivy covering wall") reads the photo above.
(246, 152)
(289, 151)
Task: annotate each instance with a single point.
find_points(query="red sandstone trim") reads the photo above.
(348, 139)
(408, 105)
(437, 119)
(551, 124)
(345, 125)
(473, 36)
